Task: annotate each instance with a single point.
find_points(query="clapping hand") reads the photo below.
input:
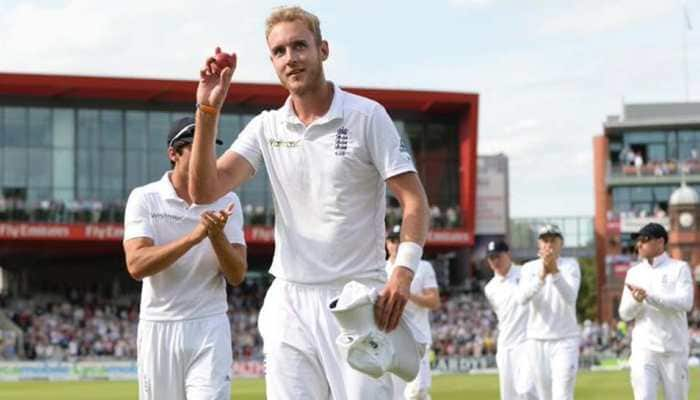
(638, 293)
(216, 221)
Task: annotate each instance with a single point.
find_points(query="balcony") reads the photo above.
(654, 173)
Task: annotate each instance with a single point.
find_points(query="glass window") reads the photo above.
(656, 152)
(136, 132)
(15, 126)
(158, 164)
(88, 168)
(87, 193)
(40, 167)
(414, 132)
(62, 194)
(686, 136)
(255, 190)
(136, 169)
(63, 128)
(2, 127)
(672, 146)
(245, 119)
(109, 196)
(88, 129)
(63, 168)
(685, 151)
(112, 170)
(437, 153)
(623, 206)
(180, 114)
(15, 167)
(639, 194)
(111, 173)
(36, 194)
(229, 128)
(158, 128)
(644, 137)
(111, 129)
(640, 208)
(40, 134)
(662, 193)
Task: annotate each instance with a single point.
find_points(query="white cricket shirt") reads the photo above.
(423, 278)
(328, 184)
(661, 322)
(502, 294)
(193, 287)
(552, 303)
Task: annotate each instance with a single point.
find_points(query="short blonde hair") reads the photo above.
(294, 13)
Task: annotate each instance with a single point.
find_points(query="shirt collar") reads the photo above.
(334, 112)
(508, 275)
(658, 260)
(166, 188)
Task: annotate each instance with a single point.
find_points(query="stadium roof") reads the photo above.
(649, 115)
(58, 87)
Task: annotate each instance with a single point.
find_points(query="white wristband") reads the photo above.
(409, 255)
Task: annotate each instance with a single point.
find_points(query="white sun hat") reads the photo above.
(365, 347)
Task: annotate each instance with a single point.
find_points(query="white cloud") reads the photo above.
(595, 16)
(469, 3)
(156, 38)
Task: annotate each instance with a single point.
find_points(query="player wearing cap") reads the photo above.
(658, 293)
(511, 357)
(329, 155)
(184, 253)
(423, 298)
(549, 285)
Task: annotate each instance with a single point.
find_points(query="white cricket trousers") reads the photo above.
(648, 369)
(419, 388)
(301, 358)
(185, 360)
(515, 375)
(554, 364)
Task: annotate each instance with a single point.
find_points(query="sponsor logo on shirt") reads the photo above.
(164, 216)
(285, 144)
(341, 141)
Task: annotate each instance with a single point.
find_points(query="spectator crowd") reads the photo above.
(87, 326)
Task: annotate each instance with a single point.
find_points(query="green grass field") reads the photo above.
(589, 386)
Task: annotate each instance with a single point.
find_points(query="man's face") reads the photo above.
(392, 246)
(553, 242)
(500, 263)
(649, 247)
(181, 158)
(296, 57)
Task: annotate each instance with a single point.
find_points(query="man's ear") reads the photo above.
(325, 51)
(172, 154)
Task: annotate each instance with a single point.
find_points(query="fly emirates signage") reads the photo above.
(263, 235)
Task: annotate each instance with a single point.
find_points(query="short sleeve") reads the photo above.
(234, 226)
(248, 142)
(429, 280)
(137, 221)
(385, 148)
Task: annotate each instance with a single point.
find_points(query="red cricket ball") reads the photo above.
(223, 60)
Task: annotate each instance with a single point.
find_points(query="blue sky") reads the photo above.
(548, 71)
